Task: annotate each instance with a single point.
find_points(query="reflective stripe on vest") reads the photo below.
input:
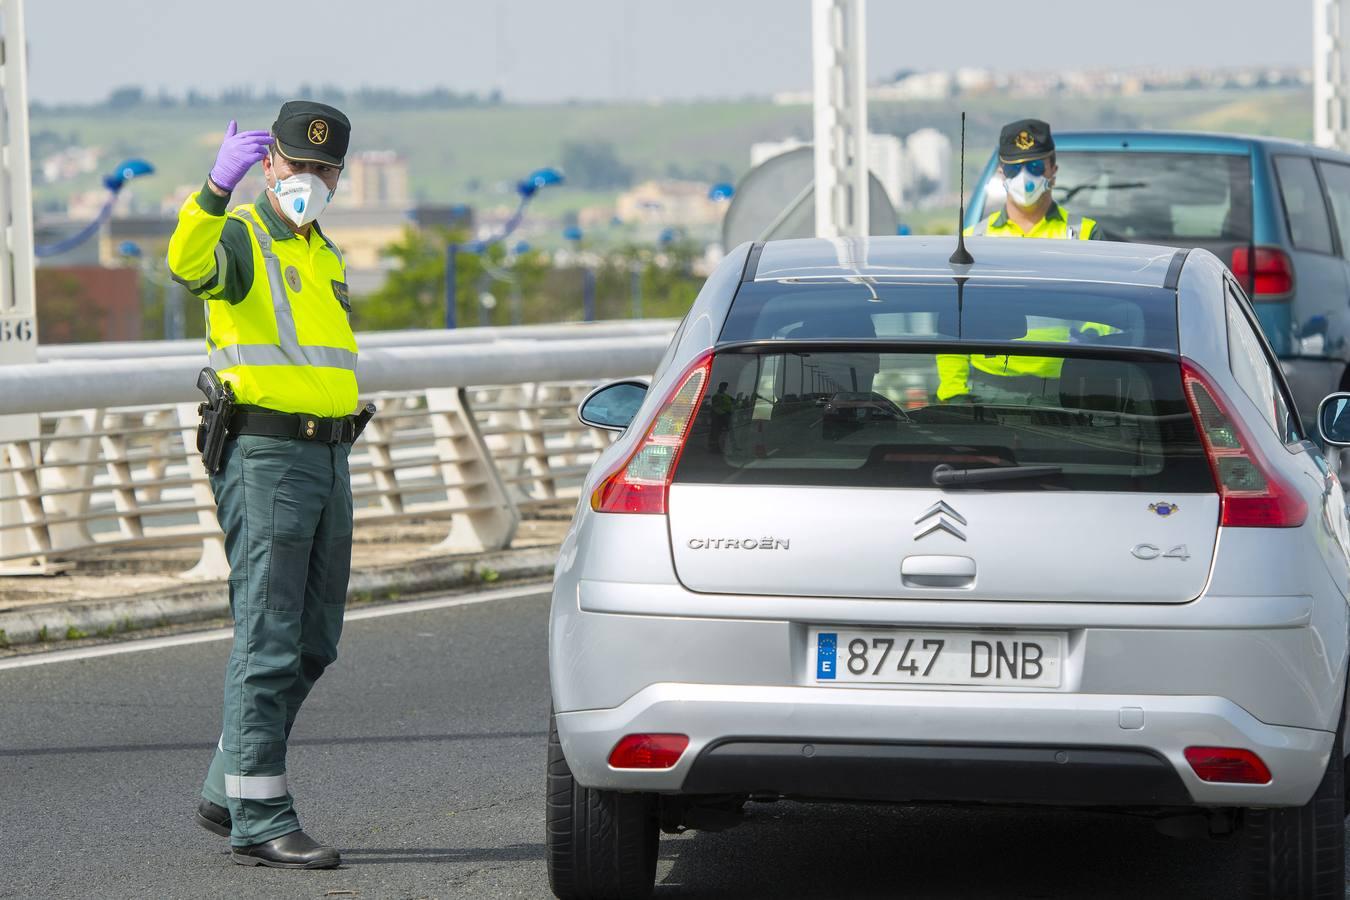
(982, 227)
(288, 351)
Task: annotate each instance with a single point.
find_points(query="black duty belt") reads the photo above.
(301, 426)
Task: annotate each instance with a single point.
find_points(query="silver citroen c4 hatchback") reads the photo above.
(1045, 529)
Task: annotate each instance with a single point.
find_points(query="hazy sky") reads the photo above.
(537, 50)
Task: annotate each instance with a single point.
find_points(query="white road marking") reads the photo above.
(223, 634)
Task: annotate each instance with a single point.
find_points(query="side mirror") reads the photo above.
(612, 406)
(1333, 419)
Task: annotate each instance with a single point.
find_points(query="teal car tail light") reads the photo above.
(1267, 270)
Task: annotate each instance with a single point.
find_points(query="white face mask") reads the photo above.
(303, 197)
(1026, 189)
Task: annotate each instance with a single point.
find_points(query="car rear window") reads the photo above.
(1163, 198)
(873, 417)
(980, 310)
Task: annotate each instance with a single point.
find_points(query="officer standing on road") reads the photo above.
(1026, 156)
(279, 336)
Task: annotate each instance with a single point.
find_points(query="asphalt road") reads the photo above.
(421, 756)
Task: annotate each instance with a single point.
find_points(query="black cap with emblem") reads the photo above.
(312, 132)
(1024, 140)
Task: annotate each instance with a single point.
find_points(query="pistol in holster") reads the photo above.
(215, 413)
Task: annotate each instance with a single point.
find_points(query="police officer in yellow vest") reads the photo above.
(1026, 154)
(279, 334)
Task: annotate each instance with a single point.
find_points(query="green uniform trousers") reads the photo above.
(286, 509)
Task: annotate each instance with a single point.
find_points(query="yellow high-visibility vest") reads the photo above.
(278, 321)
(954, 369)
(1056, 223)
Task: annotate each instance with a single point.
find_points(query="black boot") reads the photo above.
(215, 819)
(296, 850)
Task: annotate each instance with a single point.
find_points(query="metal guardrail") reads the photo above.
(473, 434)
(372, 340)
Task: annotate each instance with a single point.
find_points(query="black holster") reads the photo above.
(216, 412)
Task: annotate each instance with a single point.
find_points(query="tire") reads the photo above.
(601, 844)
(1299, 852)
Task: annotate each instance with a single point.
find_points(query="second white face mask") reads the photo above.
(303, 197)
(1026, 189)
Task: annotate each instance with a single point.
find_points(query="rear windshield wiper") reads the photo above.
(944, 474)
(1070, 193)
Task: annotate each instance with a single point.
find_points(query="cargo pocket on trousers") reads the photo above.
(287, 572)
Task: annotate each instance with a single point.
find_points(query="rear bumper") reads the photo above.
(841, 743)
(953, 773)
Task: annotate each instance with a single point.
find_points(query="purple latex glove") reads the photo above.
(238, 152)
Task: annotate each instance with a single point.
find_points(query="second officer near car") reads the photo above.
(1026, 157)
(1026, 160)
(279, 338)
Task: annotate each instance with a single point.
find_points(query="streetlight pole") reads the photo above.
(451, 278)
(527, 188)
(125, 171)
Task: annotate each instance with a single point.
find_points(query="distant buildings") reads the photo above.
(928, 164)
(375, 179)
(943, 85)
(668, 202)
(69, 163)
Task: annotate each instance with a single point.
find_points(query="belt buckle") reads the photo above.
(308, 427)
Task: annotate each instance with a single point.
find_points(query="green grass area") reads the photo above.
(462, 155)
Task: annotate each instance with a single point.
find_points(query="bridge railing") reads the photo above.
(470, 434)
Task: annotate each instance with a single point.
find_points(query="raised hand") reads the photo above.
(238, 153)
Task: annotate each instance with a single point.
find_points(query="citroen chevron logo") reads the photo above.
(945, 514)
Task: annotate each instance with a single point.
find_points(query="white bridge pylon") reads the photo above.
(1331, 128)
(839, 64)
(18, 308)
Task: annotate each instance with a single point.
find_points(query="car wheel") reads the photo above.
(601, 844)
(1299, 852)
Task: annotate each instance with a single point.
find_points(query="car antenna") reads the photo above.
(962, 256)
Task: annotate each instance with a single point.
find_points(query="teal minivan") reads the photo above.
(1276, 211)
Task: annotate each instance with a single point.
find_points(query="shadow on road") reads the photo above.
(386, 855)
(802, 851)
(205, 746)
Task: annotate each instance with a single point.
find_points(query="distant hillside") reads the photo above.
(461, 155)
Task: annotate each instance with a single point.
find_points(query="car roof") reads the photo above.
(897, 258)
(1180, 141)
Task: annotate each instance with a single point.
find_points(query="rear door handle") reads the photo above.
(937, 571)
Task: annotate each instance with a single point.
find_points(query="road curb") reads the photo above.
(210, 600)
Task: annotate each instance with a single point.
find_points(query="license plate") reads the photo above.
(894, 656)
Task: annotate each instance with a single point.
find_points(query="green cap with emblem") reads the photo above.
(1024, 140)
(307, 131)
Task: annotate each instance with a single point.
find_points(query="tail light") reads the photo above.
(1227, 765)
(642, 483)
(1268, 271)
(1251, 493)
(648, 751)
